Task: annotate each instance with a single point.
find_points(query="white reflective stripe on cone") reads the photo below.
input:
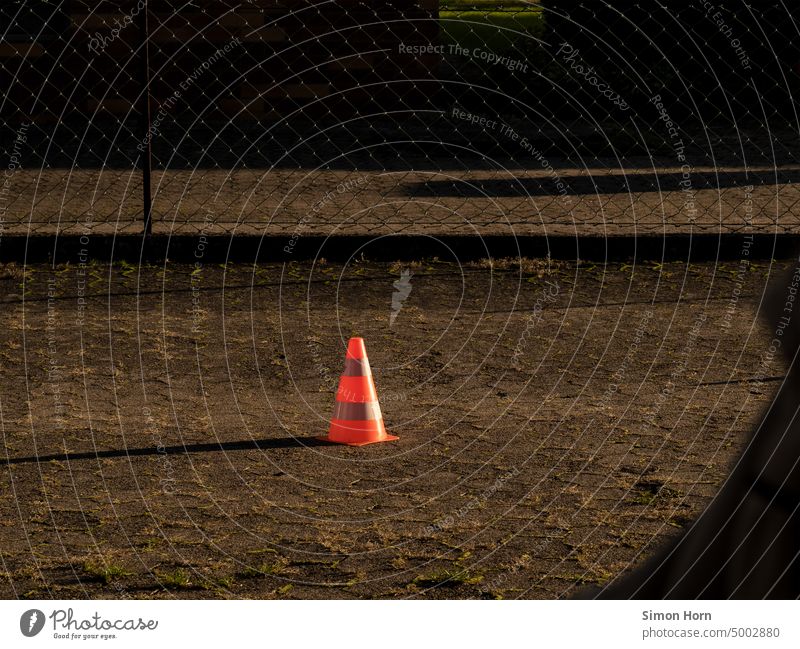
(356, 367)
(366, 411)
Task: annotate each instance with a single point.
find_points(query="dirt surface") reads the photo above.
(516, 201)
(440, 176)
(557, 422)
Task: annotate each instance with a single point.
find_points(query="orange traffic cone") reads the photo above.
(357, 419)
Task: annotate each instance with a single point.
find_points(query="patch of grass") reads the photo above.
(354, 580)
(496, 29)
(399, 563)
(262, 551)
(263, 570)
(127, 269)
(490, 594)
(497, 5)
(224, 582)
(105, 573)
(583, 578)
(448, 578)
(532, 267)
(177, 579)
(150, 543)
(11, 271)
(221, 585)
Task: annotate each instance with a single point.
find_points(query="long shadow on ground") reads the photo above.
(183, 449)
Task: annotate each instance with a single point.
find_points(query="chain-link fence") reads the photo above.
(400, 116)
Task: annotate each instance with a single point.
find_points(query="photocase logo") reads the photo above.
(31, 622)
(402, 289)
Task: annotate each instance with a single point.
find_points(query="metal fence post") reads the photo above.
(144, 111)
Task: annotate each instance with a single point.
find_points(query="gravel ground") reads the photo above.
(557, 423)
(515, 201)
(430, 175)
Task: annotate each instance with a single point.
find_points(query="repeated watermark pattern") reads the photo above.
(571, 56)
(475, 503)
(715, 14)
(547, 295)
(168, 104)
(14, 164)
(744, 261)
(55, 372)
(477, 53)
(244, 507)
(622, 371)
(168, 478)
(348, 186)
(680, 366)
(768, 356)
(199, 314)
(673, 131)
(100, 41)
(507, 131)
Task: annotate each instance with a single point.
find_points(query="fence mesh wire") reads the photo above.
(406, 116)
